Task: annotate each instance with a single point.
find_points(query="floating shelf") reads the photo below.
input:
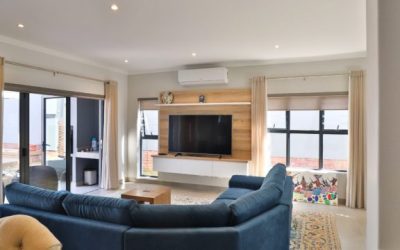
(88, 155)
(204, 104)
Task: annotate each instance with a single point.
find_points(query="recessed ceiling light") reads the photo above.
(194, 54)
(126, 61)
(114, 7)
(20, 25)
(277, 46)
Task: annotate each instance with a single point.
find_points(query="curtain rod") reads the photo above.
(306, 76)
(55, 72)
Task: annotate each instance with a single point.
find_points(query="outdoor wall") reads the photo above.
(150, 85)
(34, 55)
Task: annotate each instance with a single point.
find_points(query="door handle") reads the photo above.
(44, 145)
(23, 152)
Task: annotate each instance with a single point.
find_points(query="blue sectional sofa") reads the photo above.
(253, 213)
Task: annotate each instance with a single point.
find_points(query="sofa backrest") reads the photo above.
(98, 208)
(34, 197)
(75, 233)
(246, 181)
(180, 216)
(261, 200)
(276, 176)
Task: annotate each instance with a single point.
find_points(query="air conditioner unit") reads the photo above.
(203, 76)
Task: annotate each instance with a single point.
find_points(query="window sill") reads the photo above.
(149, 178)
(319, 171)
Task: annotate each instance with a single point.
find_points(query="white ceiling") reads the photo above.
(157, 35)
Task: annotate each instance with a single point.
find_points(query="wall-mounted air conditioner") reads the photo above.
(203, 76)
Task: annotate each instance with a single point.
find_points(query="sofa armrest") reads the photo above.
(269, 230)
(210, 238)
(244, 181)
(287, 194)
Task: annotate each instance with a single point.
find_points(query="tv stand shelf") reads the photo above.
(204, 158)
(198, 165)
(204, 104)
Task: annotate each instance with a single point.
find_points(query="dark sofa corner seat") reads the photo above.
(253, 213)
(259, 217)
(261, 207)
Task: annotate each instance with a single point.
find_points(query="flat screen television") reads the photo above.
(200, 134)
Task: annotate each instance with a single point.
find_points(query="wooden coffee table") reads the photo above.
(153, 194)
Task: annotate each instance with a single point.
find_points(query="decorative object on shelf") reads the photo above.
(94, 144)
(167, 97)
(315, 188)
(202, 99)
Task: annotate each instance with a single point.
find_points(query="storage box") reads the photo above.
(90, 177)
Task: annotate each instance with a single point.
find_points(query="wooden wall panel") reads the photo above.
(241, 116)
(213, 96)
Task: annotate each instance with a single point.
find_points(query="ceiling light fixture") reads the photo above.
(194, 54)
(114, 7)
(126, 61)
(20, 25)
(277, 46)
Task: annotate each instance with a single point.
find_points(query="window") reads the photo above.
(310, 139)
(148, 143)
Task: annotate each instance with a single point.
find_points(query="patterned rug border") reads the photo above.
(314, 233)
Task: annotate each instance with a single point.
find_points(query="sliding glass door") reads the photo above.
(47, 142)
(36, 150)
(11, 137)
(54, 133)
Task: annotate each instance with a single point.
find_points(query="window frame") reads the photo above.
(144, 136)
(321, 132)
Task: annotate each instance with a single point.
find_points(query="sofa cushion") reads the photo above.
(254, 203)
(34, 197)
(180, 216)
(224, 201)
(276, 176)
(22, 231)
(106, 209)
(234, 193)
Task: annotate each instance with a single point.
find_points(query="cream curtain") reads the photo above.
(258, 125)
(1, 126)
(109, 166)
(324, 101)
(355, 175)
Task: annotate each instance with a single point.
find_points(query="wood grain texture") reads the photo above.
(241, 116)
(214, 95)
(152, 194)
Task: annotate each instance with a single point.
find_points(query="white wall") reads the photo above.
(372, 127)
(36, 57)
(150, 85)
(389, 123)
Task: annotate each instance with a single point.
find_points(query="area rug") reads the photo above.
(314, 230)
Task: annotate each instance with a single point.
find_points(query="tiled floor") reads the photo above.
(350, 222)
